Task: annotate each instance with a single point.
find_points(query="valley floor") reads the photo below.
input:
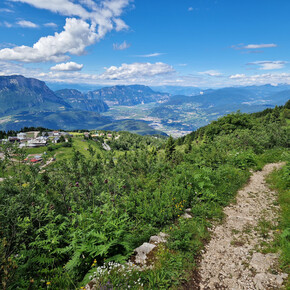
(233, 258)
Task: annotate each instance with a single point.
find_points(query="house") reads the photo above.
(55, 140)
(32, 134)
(35, 160)
(37, 142)
(13, 140)
(21, 136)
(47, 134)
(109, 135)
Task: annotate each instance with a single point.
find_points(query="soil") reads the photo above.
(233, 259)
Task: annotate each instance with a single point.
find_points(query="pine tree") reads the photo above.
(169, 148)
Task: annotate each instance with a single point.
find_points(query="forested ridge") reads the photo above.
(58, 226)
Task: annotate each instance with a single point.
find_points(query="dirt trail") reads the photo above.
(231, 259)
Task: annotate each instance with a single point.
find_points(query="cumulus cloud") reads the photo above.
(104, 14)
(26, 23)
(94, 24)
(261, 79)
(211, 73)
(268, 65)
(124, 45)
(64, 7)
(68, 66)
(151, 54)
(135, 70)
(237, 76)
(75, 37)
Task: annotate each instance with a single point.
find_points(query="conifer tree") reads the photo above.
(169, 148)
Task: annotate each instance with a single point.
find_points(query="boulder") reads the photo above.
(142, 253)
(186, 216)
(161, 238)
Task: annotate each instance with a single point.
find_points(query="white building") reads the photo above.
(21, 136)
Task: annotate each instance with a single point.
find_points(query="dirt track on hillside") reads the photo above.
(232, 259)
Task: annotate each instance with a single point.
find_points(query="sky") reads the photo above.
(201, 43)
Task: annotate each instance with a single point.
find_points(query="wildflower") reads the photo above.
(77, 184)
(48, 283)
(90, 184)
(106, 181)
(31, 281)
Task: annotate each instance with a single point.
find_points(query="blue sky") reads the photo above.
(203, 43)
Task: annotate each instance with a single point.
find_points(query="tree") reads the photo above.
(169, 148)
(61, 139)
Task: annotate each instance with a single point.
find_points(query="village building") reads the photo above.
(37, 142)
(32, 134)
(21, 136)
(13, 140)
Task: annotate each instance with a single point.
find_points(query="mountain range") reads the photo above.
(135, 108)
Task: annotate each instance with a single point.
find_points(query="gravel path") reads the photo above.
(231, 259)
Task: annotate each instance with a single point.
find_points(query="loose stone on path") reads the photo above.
(231, 259)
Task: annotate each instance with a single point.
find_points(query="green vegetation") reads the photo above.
(90, 209)
(280, 180)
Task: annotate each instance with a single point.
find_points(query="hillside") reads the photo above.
(19, 94)
(60, 232)
(79, 101)
(128, 95)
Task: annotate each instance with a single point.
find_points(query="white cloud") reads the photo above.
(7, 24)
(6, 10)
(237, 76)
(68, 66)
(25, 23)
(64, 7)
(257, 46)
(151, 54)
(254, 46)
(269, 65)
(50, 24)
(124, 45)
(75, 37)
(135, 70)
(211, 73)
(77, 33)
(103, 15)
(261, 79)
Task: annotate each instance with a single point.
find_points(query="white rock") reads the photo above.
(142, 253)
(161, 238)
(186, 216)
(262, 263)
